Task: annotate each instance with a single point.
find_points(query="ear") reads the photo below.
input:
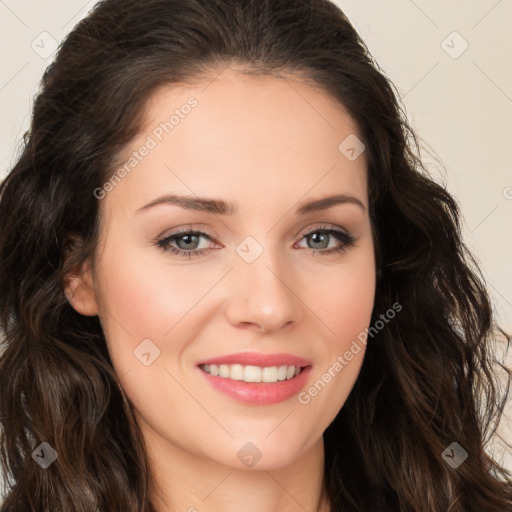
(79, 284)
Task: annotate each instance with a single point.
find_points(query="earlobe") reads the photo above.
(79, 290)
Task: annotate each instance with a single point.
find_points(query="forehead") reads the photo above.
(231, 133)
(253, 102)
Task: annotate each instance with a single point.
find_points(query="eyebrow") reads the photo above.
(220, 207)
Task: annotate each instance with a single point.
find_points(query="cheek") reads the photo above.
(345, 308)
(345, 300)
(143, 297)
(147, 296)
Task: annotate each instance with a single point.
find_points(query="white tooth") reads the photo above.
(236, 372)
(252, 374)
(224, 370)
(269, 374)
(281, 372)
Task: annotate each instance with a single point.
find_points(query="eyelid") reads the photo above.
(185, 229)
(323, 226)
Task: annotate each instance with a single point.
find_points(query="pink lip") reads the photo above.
(259, 393)
(258, 359)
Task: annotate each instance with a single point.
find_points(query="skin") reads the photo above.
(267, 144)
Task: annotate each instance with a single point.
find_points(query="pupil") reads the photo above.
(316, 235)
(184, 237)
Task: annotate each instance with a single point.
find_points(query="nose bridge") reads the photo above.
(261, 291)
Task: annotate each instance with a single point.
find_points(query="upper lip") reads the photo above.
(258, 359)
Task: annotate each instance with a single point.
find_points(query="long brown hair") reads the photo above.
(428, 378)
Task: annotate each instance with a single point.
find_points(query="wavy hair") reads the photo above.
(428, 378)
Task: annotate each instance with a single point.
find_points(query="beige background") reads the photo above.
(449, 60)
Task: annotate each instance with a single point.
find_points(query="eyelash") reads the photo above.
(164, 243)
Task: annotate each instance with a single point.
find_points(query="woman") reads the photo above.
(175, 337)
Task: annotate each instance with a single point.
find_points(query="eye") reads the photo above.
(188, 241)
(320, 237)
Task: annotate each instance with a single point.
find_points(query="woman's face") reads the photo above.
(256, 290)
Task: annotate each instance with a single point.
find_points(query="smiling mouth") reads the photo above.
(248, 373)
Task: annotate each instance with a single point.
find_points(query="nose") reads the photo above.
(263, 295)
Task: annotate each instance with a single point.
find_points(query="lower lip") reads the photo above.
(259, 393)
